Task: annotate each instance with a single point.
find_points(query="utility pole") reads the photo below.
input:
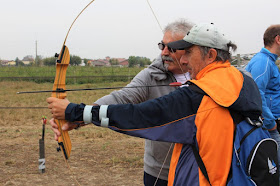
(36, 57)
(238, 60)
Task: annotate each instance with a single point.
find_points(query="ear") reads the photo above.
(212, 54)
(277, 39)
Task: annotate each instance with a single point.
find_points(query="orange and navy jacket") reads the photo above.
(187, 118)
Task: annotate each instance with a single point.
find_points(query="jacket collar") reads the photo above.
(221, 81)
(267, 52)
(211, 67)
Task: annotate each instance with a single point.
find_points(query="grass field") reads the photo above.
(99, 156)
(75, 74)
(24, 71)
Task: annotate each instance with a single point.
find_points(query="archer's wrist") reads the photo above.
(74, 112)
(82, 112)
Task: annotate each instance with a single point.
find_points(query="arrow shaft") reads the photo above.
(102, 88)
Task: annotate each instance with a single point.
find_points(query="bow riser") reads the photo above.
(61, 67)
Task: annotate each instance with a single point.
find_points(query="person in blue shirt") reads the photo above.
(266, 74)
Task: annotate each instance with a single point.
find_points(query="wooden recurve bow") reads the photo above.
(62, 63)
(63, 59)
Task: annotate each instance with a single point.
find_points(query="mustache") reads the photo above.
(167, 58)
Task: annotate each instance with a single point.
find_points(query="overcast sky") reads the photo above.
(121, 28)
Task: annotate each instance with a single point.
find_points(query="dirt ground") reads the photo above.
(98, 157)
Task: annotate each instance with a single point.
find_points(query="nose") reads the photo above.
(183, 59)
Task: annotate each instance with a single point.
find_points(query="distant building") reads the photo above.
(27, 62)
(83, 63)
(28, 58)
(122, 62)
(4, 62)
(99, 63)
(12, 63)
(107, 58)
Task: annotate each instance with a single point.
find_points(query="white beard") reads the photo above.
(166, 66)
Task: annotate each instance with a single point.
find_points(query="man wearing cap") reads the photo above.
(186, 116)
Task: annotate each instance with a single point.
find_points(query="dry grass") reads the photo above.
(99, 156)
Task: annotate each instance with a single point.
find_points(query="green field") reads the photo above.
(75, 74)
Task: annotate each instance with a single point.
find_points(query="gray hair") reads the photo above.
(222, 55)
(181, 26)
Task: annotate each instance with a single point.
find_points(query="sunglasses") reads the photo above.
(161, 46)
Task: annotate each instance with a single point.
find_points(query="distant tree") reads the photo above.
(145, 61)
(86, 61)
(32, 63)
(39, 61)
(49, 61)
(114, 61)
(19, 62)
(137, 60)
(75, 60)
(132, 61)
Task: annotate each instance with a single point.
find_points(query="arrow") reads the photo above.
(174, 84)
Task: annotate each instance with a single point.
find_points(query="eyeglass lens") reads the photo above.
(161, 46)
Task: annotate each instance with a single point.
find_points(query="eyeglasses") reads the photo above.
(162, 45)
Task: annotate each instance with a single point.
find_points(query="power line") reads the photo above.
(23, 108)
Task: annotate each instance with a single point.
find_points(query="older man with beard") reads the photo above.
(163, 71)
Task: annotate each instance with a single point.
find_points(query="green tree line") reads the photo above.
(138, 61)
(134, 61)
(74, 60)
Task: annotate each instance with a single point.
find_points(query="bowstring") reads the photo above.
(154, 15)
(171, 146)
(64, 44)
(177, 61)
